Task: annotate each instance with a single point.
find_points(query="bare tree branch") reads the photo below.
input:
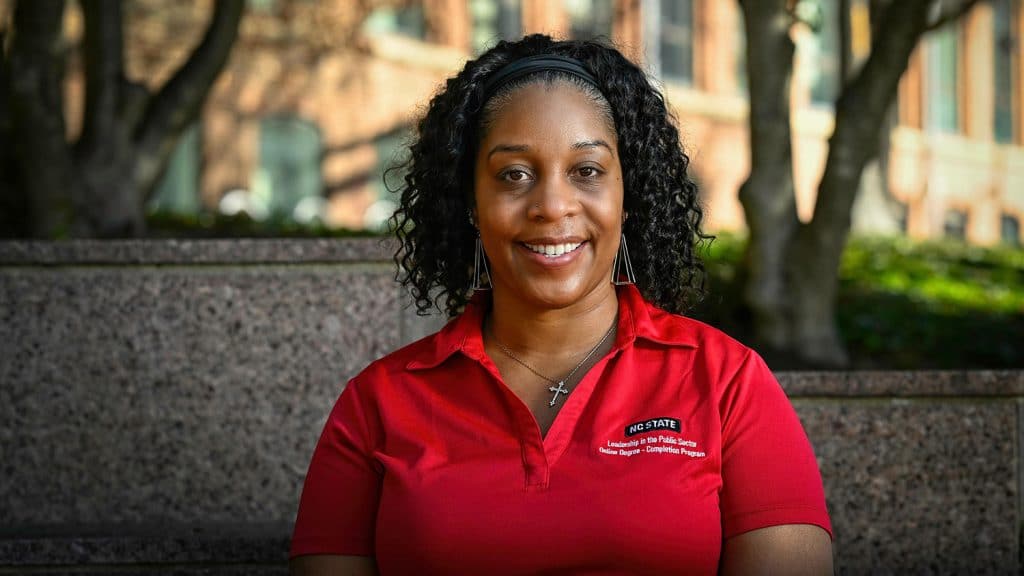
(876, 12)
(951, 15)
(860, 113)
(104, 72)
(178, 103)
(845, 42)
(860, 110)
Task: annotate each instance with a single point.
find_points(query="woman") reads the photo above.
(567, 421)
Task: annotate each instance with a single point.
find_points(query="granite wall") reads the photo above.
(159, 401)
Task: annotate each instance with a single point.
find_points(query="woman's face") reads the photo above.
(548, 190)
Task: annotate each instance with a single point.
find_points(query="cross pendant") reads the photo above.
(560, 389)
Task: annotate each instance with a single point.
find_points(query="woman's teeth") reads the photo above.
(553, 250)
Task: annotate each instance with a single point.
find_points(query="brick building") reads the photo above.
(316, 101)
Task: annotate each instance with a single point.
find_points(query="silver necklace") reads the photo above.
(559, 386)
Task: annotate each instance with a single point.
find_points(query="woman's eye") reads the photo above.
(588, 172)
(514, 175)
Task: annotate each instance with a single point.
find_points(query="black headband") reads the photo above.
(542, 63)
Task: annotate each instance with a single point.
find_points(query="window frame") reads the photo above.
(1012, 20)
(956, 31)
(653, 45)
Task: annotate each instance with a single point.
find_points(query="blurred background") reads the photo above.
(195, 119)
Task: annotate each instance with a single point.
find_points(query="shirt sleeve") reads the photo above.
(339, 501)
(769, 474)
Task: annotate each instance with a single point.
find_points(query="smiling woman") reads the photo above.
(569, 419)
(548, 201)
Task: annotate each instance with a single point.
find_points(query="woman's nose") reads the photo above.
(553, 198)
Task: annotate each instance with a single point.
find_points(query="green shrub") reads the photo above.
(904, 304)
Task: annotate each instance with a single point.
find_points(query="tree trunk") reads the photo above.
(35, 69)
(13, 204)
(105, 152)
(768, 198)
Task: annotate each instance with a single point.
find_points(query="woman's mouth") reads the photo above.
(553, 250)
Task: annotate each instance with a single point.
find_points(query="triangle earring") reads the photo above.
(480, 268)
(623, 265)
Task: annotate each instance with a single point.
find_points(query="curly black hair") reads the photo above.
(436, 237)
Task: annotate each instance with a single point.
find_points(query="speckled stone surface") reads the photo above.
(178, 393)
(199, 569)
(415, 326)
(907, 384)
(236, 251)
(164, 570)
(919, 486)
(117, 545)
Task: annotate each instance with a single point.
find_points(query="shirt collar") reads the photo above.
(637, 319)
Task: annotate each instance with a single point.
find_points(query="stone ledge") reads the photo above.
(909, 384)
(161, 569)
(233, 251)
(123, 545)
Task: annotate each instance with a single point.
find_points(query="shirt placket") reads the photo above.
(535, 462)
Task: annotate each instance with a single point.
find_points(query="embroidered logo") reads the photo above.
(653, 425)
(670, 442)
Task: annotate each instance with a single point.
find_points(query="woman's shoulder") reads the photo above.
(715, 362)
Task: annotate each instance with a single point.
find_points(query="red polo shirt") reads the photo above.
(677, 438)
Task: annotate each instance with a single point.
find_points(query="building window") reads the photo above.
(1006, 46)
(942, 71)
(288, 180)
(261, 5)
(955, 225)
(271, 6)
(669, 24)
(823, 18)
(495, 20)
(178, 190)
(740, 48)
(406, 21)
(1009, 230)
(675, 41)
(589, 19)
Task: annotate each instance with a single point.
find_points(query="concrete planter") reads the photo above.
(159, 401)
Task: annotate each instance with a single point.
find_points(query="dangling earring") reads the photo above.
(622, 259)
(480, 262)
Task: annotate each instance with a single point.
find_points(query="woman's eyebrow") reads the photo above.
(592, 144)
(508, 148)
(582, 145)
